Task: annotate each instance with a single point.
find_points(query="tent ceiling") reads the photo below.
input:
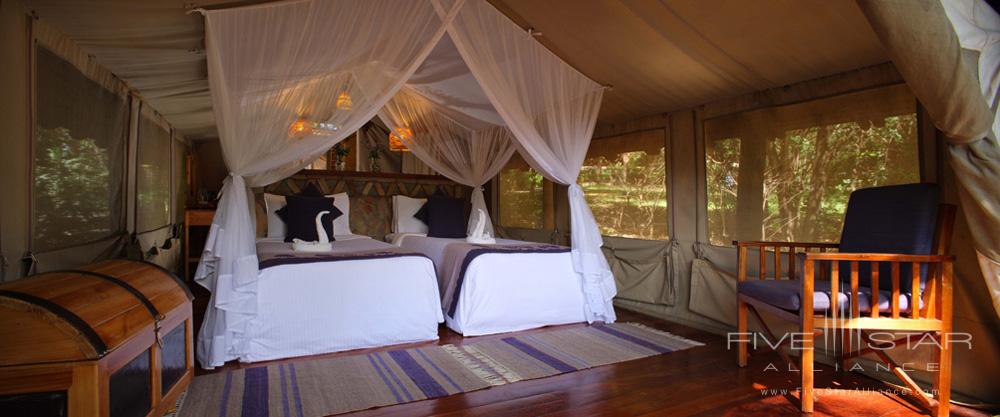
(659, 55)
(674, 54)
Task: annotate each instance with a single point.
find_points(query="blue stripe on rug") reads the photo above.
(418, 374)
(255, 392)
(295, 390)
(439, 371)
(539, 355)
(285, 410)
(385, 380)
(226, 387)
(625, 336)
(392, 374)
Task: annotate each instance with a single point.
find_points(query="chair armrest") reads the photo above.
(760, 243)
(877, 257)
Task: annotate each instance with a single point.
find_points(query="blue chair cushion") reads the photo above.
(891, 219)
(785, 295)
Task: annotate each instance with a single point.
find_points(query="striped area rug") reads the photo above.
(324, 387)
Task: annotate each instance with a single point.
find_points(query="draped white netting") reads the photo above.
(466, 156)
(551, 109)
(275, 71)
(279, 75)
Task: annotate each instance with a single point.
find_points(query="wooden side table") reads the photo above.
(194, 218)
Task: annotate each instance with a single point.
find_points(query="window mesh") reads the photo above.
(624, 181)
(152, 176)
(521, 195)
(785, 173)
(78, 157)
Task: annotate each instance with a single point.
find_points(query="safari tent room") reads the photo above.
(499, 207)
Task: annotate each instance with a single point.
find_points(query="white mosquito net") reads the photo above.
(291, 79)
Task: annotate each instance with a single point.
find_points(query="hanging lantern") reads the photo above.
(344, 101)
(301, 128)
(396, 140)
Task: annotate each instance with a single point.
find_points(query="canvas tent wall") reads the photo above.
(673, 63)
(71, 132)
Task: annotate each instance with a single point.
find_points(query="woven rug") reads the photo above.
(324, 387)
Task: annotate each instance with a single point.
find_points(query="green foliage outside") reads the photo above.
(72, 190)
(521, 198)
(809, 175)
(627, 194)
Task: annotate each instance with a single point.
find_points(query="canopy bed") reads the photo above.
(508, 286)
(457, 82)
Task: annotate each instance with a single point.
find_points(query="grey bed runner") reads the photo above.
(459, 255)
(271, 254)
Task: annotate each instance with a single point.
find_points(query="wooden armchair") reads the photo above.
(891, 272)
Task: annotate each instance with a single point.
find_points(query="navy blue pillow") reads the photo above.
(445, 217)
(311, 191)
(299, 215)
(422, 214)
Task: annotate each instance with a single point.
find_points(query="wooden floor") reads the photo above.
(701, 381)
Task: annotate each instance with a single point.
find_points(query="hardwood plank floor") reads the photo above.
(701, 381)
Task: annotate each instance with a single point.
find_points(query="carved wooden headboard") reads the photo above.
(370, 193)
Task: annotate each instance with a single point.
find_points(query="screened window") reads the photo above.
(521, 195)
(152, 176)
(78, 157)
(785, 173)
(624, 181)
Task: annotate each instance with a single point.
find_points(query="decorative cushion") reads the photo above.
(446, 217)
(404, 210)
(300, 217)
(891, 219)
(785, 294)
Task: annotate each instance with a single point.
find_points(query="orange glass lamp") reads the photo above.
(397, 137)
(344, 101)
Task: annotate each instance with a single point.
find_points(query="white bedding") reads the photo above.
(313, 308)
(507, 292)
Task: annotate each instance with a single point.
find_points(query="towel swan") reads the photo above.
(478, 235)
(323, 245)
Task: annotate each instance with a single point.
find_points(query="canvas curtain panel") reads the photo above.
(930, 43)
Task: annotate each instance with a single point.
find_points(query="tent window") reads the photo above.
(624, 181)
(152, 176)
(521, 195)
(180, 180)
(78, 157)
(785, 173)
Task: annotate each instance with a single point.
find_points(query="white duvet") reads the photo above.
(506, 292)
(313, 308)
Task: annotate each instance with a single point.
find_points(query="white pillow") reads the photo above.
(403, 209)
(342, 224)
(276, 227)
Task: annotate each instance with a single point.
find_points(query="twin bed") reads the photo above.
(366, 293)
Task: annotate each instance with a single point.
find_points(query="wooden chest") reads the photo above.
(110, 339)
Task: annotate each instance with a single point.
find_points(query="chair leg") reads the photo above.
(742, 328)
(942, 383)
(806, 367)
